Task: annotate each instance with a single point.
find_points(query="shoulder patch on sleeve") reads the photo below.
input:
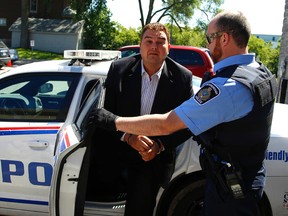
(206, 93)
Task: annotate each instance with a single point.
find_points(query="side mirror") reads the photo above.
(45, 88)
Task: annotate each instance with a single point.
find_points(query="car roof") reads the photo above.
(95, 67)
(98, 68)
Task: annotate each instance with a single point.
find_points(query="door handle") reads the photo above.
(38, 144)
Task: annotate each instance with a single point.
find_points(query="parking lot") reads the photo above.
(17, 63)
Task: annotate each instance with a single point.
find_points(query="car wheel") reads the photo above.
(189, 200)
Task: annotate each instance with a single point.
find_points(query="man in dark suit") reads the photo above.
(149, 82)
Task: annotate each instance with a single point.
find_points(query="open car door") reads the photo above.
(72, 161)
(70, 155)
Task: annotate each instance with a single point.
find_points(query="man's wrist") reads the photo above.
(127, 138)
(160, 146)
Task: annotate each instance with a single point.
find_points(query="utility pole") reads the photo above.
(24, 24)
(282, 96)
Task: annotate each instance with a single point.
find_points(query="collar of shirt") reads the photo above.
(158, 73)
(243, 59)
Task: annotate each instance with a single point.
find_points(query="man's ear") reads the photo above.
(225, 38)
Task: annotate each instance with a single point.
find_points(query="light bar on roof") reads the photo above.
(92, 54)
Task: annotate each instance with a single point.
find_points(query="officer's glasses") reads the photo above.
(214, 35)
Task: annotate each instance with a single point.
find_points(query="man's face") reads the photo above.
(216, 51)
(213, 42)
(154, 47)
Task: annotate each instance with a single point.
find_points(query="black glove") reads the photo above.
(102, 118)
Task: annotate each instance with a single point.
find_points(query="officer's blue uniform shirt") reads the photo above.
(219, 100)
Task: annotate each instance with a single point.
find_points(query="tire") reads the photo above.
(189, 201)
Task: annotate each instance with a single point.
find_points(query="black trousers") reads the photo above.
(216, 204)
(143, 187)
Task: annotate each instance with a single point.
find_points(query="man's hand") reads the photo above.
(146, 147)
(151, 153)
(139, 143)
(102, 118)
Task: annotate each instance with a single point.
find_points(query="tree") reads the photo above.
(99, 31)
(265, 53)
(283, 60)
(125, 37)
(187, 36)
(24, 39)
(178, 11)
(81, 7)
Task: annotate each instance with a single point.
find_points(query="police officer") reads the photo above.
(230, 117)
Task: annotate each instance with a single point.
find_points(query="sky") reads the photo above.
(265, 16)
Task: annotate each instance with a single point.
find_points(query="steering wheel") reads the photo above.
(12, 107)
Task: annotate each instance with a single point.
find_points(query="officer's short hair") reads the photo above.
(236, 24)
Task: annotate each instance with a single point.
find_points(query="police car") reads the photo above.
(47, 150)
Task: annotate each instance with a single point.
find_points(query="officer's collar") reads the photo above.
(243, 59)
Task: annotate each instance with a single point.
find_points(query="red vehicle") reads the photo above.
(196, 59)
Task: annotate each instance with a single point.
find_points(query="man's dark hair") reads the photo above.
(156, 27)
(236, 24)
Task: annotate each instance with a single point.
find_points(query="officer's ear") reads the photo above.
(226, 38)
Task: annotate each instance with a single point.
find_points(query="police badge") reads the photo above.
(206, 93)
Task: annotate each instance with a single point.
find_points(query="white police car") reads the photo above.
(185, 193)
(41, 100)
(36, 101)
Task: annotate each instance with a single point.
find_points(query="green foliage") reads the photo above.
(101, 33)
(187, 36)
(81, 7)
(181, 11)
(265, 53)
(124, 36)
(178, 11)
(99, 30)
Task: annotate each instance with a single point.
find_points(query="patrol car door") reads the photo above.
(29, 121)
(276, 162)
(68, 188)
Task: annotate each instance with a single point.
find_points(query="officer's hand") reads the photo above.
(102, 118)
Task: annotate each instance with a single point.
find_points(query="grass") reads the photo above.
(36, 54)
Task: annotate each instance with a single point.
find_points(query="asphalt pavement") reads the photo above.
(18, 63)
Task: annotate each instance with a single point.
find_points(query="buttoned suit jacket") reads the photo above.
(123, 98)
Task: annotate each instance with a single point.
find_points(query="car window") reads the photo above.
(129, 52)
(2, 45)
(93, 100)
(186, 57)
(35, 97)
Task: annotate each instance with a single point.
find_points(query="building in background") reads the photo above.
(53, 35)
(274, 39)
(49, 21)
